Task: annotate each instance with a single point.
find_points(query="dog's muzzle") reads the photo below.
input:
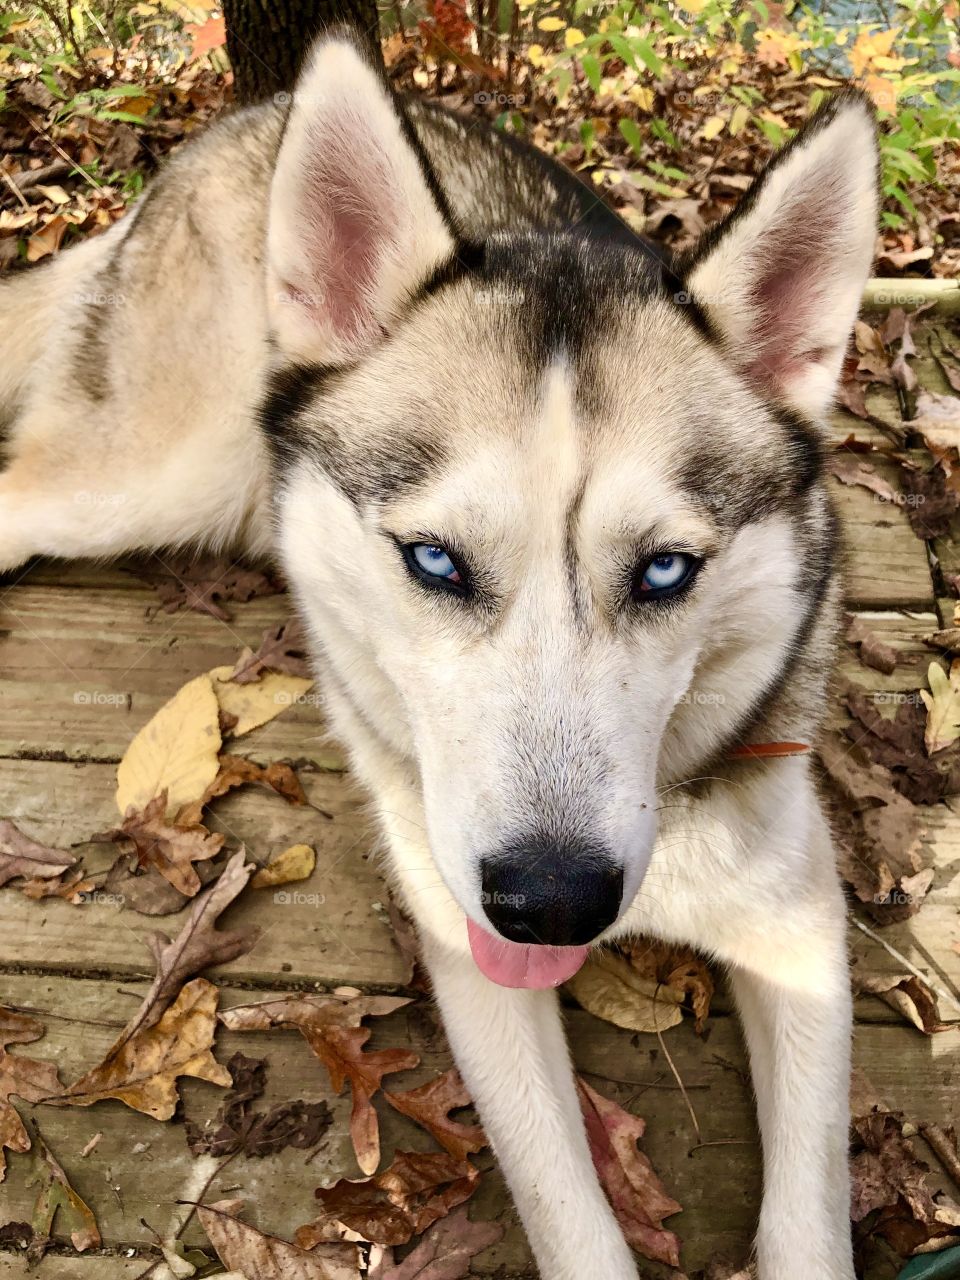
(556, 896)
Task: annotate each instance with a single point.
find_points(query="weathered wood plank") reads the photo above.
(331, 928)
(717, 1184)
(885, 562)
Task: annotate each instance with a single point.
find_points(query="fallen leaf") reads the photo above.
(331, 1027)
(610, 988)
(170, 847)
(254, 705)
(71, 886)
(390, 1208)
(873, 652)
(635, 1192)
(430, 1105)
(57, 1197)
(236, 771)
(943, 707)
(677, 969)
(283, 648)
(889, 1182)
(444, 1252)
(905, 993)
(28, 1078)
(938, 419)
(204, 39)
(143, 1069)
(258, 1256)
(21, 856)
(851, 470)
(176, 752)
(198, 945)
(295, 863)
(201, 584)
(898, 745)
(236, 1128)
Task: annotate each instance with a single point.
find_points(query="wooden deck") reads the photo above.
(86, 659)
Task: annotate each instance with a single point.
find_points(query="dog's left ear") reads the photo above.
(781, 278)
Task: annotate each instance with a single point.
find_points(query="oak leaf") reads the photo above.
(636, 1194)
(396, 1204)
(331, 1027)
(142, 1071)
(430, 1105)
(171, 847)
(28, 1078)
(609, 987)
(283, 648)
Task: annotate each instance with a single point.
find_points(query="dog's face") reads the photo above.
(530, 524)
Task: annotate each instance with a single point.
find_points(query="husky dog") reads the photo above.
(554, 514)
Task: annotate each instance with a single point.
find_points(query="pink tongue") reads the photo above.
(515, 964)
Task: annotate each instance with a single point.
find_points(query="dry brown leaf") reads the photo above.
(201, 583)
(198, 945)
(71, 887)
(258, 1256)
(635, 1192)
(283, 648)
(253, 705)
(331, 1027)
(57, 1197)
(28, 1078)
(443, 1253)
(176, 751)
(943, 707)
(609, 987)
(142, 1071)
(890, 1183)
(677, 969)
(172, 847)
(906, 993)
(295, 863)
(849, 469)
(237, 771)
(21, 856)
(416, 1191)
(873, 652)
(430, 1105)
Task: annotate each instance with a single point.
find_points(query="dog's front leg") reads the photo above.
(512, 1054)
(793, 991)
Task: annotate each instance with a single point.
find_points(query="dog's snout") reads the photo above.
(561, 895)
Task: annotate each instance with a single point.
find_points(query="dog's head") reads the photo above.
(552, 510)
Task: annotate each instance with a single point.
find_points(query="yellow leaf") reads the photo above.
(535, 55)
(551, 24)
(870, 45)
(693, 6)
(572, 37)
(642, 96)
(176, 751)
(738, 120)
(257, 703)
(295, 863)
(715, 125)
(943, 707)
(610, 988)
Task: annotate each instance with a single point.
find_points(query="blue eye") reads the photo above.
(433, 565)
(665, 575)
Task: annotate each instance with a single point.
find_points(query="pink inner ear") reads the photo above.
(792, 284)
(349, 215)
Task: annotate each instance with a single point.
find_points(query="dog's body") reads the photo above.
(494, 425)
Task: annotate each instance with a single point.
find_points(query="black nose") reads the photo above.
(560, 895)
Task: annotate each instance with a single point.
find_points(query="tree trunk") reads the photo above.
(267, 39)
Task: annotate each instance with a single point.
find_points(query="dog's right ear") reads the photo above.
(355, 223)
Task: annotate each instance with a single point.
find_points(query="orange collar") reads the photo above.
(767, 750)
